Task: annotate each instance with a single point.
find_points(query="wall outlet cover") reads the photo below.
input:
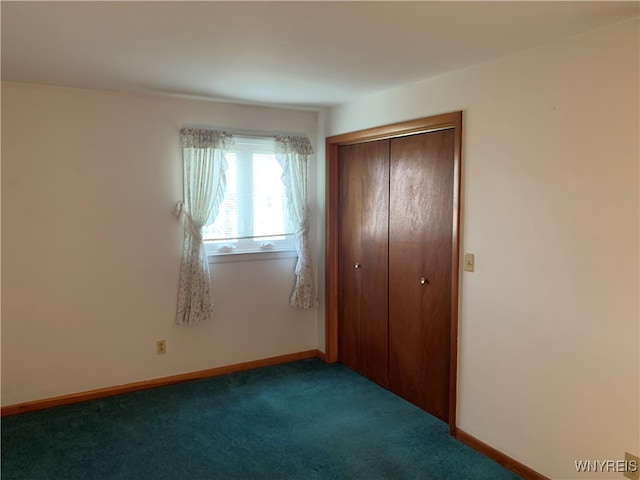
(161, 347)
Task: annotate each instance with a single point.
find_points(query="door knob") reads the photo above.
(423, 281)
(357, 265)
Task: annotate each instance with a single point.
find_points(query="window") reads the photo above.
(253, 216)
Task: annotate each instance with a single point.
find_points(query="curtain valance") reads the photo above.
(201, 138)
(299, 145)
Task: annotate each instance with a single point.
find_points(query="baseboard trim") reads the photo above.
(156, 382)
(499, 457)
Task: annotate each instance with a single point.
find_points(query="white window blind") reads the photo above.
(254, 215)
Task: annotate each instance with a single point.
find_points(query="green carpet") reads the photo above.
(301, 420)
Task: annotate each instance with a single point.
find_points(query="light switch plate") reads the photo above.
(469, 262)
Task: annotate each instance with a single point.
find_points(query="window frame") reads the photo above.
(248, 248)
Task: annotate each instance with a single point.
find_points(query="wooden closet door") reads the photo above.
(420, 236)
(363, 259)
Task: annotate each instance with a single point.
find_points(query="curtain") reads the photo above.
(292, 153)
(204, 168)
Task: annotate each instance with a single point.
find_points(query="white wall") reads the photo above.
(549, 337)
(91, 251)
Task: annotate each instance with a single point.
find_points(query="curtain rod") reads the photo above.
(247, 237)
(249, 133)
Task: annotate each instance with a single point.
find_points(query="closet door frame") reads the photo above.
(445, 121)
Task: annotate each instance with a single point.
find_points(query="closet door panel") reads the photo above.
(363, 259)
(420, 239)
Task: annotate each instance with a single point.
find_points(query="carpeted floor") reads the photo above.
(301, 420)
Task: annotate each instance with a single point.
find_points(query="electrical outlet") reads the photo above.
(632, 466)
(161, 347)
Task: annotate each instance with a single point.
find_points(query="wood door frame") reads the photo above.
(412, 127)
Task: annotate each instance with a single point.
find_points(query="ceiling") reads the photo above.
(294, 53)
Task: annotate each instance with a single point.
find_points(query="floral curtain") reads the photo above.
(292, 153)
(204, 184)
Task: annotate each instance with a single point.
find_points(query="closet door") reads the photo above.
(363, 258)
(420, 240)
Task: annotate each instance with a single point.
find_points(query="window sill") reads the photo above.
(250, 256)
